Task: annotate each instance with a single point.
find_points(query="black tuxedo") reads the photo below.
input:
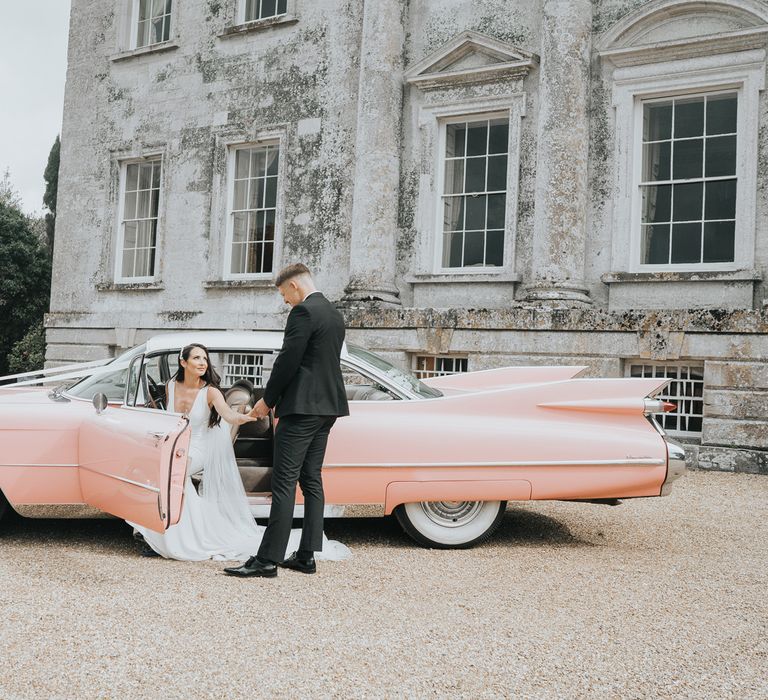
(306, 377)
(307, 391)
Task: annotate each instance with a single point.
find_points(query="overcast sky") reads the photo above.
(33, 66)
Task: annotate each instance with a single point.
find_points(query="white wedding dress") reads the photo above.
(217, 523)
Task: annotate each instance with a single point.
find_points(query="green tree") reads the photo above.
(25, 274)
(51, 177)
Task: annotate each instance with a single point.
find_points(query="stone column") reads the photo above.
(377, 155)
(557, 273)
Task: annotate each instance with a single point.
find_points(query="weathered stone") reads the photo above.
(748, 404)
(736, 375)
(729, 433)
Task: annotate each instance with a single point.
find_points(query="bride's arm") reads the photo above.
(216, 399)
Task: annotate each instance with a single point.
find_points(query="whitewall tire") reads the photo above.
(450, 524)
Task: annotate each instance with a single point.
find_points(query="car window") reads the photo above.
(397, 376)
(111, 384)
(361, 388)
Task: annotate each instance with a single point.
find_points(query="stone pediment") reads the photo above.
(470, 57)
(674, 29)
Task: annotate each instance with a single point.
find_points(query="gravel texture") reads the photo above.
(657, 598)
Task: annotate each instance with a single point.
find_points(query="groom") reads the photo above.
(306, 390)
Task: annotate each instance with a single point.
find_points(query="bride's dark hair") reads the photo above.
(211, 377)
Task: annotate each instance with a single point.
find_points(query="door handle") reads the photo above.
(156, 437)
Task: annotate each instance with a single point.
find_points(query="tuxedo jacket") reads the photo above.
(306, 376)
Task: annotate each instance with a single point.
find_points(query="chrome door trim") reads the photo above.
(641, 461)
(148, 487)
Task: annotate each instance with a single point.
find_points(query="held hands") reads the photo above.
(260, 410)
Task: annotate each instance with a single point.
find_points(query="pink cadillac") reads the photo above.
(443, 454)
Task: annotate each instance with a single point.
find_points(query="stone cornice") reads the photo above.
(530, 318)
(730, 42)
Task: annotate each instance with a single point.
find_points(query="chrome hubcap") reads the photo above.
(451, 513)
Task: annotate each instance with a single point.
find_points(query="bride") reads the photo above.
(217, 523)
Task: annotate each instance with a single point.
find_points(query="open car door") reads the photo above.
(133, 462)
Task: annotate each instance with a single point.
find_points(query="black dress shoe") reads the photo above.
(297, 563)
(147, 551)
(253, 567)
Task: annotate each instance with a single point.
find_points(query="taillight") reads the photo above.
(658, 406)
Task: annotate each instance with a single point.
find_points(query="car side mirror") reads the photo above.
(100, 402)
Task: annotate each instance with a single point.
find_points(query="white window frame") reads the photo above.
(134, 27)
(648, 363)
(440, 172)
(267, 140)
(120, 238)
(241, 5)
(433, 119)
(740, 72)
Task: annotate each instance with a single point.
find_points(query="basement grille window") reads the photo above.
(686, 391)
(425, 366)
(238, 366)
(264, 9)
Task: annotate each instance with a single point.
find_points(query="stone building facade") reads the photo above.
(477, 183)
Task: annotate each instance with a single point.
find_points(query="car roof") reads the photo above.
(224, 340)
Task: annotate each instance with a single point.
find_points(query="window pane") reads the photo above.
(158, 7)
(656, 157)
(129, 234)
(157, 30)
(498, 137)
(129, 259)
(474, 248)
(497, 173)
(657, 121)
(154, 207)
(494, 248)
(256, 193)
(452, 244)
(688, 159)
(496, 210)
(657, 203)
(688, 202)
(239, 223)
(454, 176)
(721, 156)
(269, 250)
(721, 114)
(272, 161)
(250, 10)
(144, 9)
(453, 214)
(242, 160)
(145, 177)
(258, 162)
(476, 174)
(656, 244)
(145, 234)
(721, 200)
(719, 241)
(268, 8)
(270, 199)
(475, 213)
(241, 189)
(282, 6)
(454, 140)
(269, 224)
(129, 210)
(686, 243)
(144, 201)
(255, 225)
(166, 28)
(238, 258)
(131, 177)
(477, 138)
(689, 117)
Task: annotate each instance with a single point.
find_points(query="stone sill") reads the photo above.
(130, 287)
(239, 284)
(144, 50)
(693, 276)
(258, 25)
(468, 278)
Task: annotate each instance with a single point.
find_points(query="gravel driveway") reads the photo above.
(656, 598)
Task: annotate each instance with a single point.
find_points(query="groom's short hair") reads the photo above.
(291, 271)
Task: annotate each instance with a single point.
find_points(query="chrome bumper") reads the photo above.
(675, 465)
